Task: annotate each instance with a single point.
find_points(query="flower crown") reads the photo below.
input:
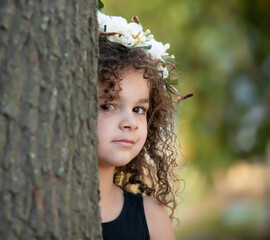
(117, 29)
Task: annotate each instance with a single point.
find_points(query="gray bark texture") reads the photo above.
(48, 116)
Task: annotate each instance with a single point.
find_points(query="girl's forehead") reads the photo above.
(131, 83)
(123, 76)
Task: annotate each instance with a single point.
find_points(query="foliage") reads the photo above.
(100, 5)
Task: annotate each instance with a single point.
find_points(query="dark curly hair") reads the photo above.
(151, 171)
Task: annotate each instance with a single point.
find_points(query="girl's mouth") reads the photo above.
(124, 142)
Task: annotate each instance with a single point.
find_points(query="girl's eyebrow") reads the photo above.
(144, 100)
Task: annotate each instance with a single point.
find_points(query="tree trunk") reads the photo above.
(48, 116)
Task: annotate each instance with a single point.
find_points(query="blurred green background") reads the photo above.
(222, 51)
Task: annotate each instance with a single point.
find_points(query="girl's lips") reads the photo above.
(124, 142)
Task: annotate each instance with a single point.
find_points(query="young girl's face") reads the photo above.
(122, 123)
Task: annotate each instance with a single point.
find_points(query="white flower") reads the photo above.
(117, 24)
(103, 20)
(124, 39)
(158, 49)
(132, 35)
(134, 29)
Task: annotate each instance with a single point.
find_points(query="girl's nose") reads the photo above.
(128, 122)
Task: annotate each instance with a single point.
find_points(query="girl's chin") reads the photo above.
(116, 163)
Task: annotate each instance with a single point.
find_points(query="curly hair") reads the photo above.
(151, 171)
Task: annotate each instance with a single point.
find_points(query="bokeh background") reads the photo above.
(222, 51)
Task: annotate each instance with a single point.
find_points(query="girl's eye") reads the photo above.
(140, 110)
(107, 107)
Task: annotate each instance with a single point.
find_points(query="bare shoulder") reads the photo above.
(158, 221)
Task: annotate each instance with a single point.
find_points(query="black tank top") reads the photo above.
(131, 223)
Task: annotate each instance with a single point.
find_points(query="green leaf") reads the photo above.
(146, 47)
(102, 38)
(172, 82)
(100, 5)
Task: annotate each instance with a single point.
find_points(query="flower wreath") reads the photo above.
(116, 29)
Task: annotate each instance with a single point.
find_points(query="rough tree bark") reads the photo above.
(48, 113)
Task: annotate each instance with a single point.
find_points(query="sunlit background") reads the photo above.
(222, 49)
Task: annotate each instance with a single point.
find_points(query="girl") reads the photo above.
(136, 151)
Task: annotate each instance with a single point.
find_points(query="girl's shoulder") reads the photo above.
(158, 221)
